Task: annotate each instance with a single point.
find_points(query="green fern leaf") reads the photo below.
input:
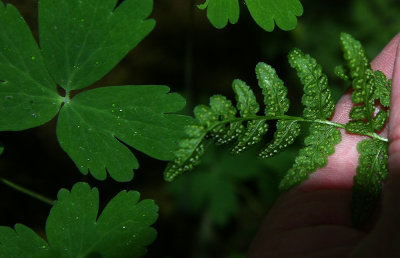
(223, 107)
(246, 101)
(189, 153)
(357, 62)
(224, 110)
(252, 135)
(285, 134)
(273, 89)
(368, 86)
(205, 116)
(358, 127)
(342, 72)
(318, 146)
(382, 89)
(371, 173)
(363, 83)
(209, 122)
(317, 97)
(379, 120)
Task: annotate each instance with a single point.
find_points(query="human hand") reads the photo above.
(314, 220)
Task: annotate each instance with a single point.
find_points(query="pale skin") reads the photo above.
(313, 219)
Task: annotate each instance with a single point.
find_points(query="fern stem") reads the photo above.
(294, 118)
(27, 192)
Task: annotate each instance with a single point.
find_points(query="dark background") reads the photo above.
(186, 53)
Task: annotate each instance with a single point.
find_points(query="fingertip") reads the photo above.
(385, 60)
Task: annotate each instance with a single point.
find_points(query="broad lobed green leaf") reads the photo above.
(74, 229)
(20, 242)
(28, 95)
(268, 12)
(220, 12)
(91, 125)
(83, 40)
(264, 12)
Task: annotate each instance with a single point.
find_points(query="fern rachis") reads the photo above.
(242, 126)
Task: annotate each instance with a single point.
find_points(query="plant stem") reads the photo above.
(27, 191)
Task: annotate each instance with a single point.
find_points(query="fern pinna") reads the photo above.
(242, 126)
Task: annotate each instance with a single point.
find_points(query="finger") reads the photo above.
(341, 168)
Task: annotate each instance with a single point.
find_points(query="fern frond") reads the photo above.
(285, 134)
(363, 83)
(317, 97)
(246, 101)
(318, 146)
(223, 108)
(382, 89)
(342, 72)
(248, 106)
(253, 135)
(371, 173)
(189, 153)
(276, 104)
(369, 86)
(273, 89)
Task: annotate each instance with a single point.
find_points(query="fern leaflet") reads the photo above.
(368, 119)
(317, 97)
(319, 145)
(368, 182)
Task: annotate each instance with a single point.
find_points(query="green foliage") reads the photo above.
(368, 86)
(371, 173)
(317, 97)
(285, 135)
(318, 146)
(93, 124)
(74, 229)
(220, 12)
(28, 95)
(219, 122)
(77, 55)
(382, 89)
(217, 187)
(264, 12)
